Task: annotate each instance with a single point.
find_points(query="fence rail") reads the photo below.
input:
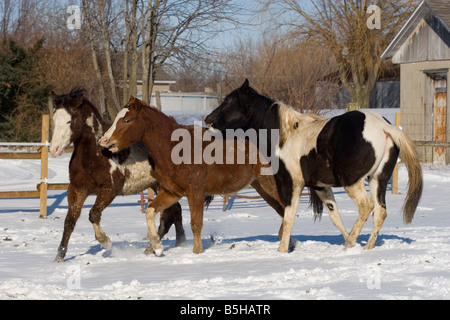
(43, 186)
(438, 144)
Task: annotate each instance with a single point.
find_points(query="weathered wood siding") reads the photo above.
(430, 41)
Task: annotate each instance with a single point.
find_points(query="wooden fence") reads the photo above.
(43, 186)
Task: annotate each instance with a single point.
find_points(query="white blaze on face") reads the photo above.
(111, 130)
(61, 133)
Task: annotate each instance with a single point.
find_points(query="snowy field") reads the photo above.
(240, 259)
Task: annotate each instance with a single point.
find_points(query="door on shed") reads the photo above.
(436, 93)
(440, 125)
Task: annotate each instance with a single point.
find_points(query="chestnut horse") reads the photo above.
(93, 170)
(140, 122)
(322, 153)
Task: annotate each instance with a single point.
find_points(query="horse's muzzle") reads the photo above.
(106, 143)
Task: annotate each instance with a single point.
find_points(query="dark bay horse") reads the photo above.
(93, 170)
(320, 154)
(140, 122)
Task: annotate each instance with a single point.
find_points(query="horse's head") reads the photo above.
(127, 128)
(234, 112)
(66, 127)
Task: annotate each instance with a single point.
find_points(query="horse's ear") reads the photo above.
(79, 100)
(132, 98)
(53, 95)
(137, 104)
(246, 85)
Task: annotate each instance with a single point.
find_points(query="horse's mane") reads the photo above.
(77, 92)
(262, 111)
(271, 114)
(171, 120)
(290, 120)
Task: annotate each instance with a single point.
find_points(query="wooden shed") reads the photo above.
(422, 48)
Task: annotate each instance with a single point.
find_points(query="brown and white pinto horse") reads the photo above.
(140, 122)
(93, 170)
(320, 154)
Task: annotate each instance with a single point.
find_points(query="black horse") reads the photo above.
(320, 154)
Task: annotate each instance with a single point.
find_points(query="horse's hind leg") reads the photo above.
(170, 216)
(104, 199)
(378, 192)
(161, 202)
(327, 197)
(378, 185)
(196, 200)
(365, 206)
(75, 198)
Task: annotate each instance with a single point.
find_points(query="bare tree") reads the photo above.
(6, 9)
(95, 62)
(106, 41)
(177, 30)
(342, 27)
(286, 69)
(159, 31)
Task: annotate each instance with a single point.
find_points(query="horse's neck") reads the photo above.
(158, 135)
(265, 116)
(92, 131)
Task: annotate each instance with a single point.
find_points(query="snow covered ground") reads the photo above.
(240, 260)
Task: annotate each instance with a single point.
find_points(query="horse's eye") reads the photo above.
(126, 121)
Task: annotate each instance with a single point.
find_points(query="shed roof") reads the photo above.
(437, 8)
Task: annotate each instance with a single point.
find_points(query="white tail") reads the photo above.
(409, 156)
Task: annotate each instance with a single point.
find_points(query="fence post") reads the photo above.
(44, 166)
(158, 100)
(398, 120)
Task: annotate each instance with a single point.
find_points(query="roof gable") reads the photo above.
(425, 36)
(442, 10)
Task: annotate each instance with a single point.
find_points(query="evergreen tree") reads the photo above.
(22, 98)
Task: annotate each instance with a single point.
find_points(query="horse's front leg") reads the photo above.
(196, 200)
(267, 189)
(161, 202)
(289, 217)
(103, 200)
(75, 198)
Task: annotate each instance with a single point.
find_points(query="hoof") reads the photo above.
(180, 240)
(158, 251)
(282, 250)
(60, 255)
(349, 244)
(106, 244)
(197, 250)
(290, 247)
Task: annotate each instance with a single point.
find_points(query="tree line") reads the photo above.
(120, 44)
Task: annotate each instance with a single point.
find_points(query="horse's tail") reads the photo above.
(409, 156)
(316, 204)
(208, 200)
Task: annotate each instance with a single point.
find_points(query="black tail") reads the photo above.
(316, 204)
(208, 200)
